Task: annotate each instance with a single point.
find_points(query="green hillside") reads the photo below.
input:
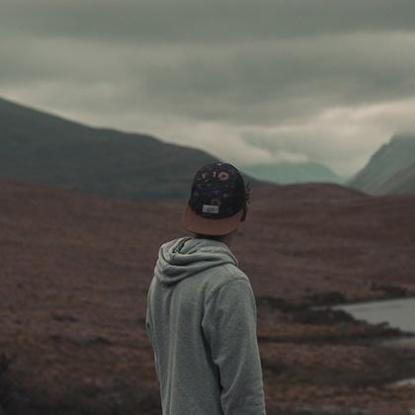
(290, 173)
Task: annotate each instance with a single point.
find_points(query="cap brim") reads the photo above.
(198, 224)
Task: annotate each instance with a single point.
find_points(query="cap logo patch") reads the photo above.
(210, 209)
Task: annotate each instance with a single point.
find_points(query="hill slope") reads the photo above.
(43, 148)
(75, 270)
(391, 169)
(401, 182)
(289, 173)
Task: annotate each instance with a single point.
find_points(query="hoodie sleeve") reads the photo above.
(148, 314)
(149, 334)
(148, 325)
(229, 326)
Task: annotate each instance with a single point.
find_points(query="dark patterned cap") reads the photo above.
(218, 200)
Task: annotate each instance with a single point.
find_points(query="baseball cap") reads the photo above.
(218, 200)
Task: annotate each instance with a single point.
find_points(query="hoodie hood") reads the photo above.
(186, 256)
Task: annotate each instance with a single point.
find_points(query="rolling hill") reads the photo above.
(289, 173)
(42, 148)
(391, 170)
(75, 270)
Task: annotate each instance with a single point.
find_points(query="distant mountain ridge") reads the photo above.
(47, 149)
(391, 170)
(291, 173)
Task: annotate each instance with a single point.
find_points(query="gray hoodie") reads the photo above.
(201, 322)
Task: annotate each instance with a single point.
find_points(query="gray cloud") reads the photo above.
(262, 83)
(220, 20)
(327, 80)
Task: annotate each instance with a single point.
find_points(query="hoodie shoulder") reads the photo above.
(223, 275)
(234, 272)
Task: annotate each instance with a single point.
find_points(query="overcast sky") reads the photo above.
(249, 81)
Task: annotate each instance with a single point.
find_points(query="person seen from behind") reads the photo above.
(201, 316)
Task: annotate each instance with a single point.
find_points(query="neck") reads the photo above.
(227, 239)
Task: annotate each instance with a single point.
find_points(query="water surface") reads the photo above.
(397, 313)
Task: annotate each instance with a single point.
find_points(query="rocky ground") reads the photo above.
(74, 275)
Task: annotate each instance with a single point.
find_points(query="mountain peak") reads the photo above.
(389, 170)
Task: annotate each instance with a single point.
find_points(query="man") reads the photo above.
(201, 309)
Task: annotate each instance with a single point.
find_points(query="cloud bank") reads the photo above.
(249, 81)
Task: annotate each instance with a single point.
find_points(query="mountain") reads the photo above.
(289, 173)
(401, 182)
(391, 169)
(46, 149)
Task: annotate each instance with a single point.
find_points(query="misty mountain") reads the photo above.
(289, 173)
(43, 148)
(391, 169)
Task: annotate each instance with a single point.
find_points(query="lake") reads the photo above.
(398, 313)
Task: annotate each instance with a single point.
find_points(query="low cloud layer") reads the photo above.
(251, 82)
